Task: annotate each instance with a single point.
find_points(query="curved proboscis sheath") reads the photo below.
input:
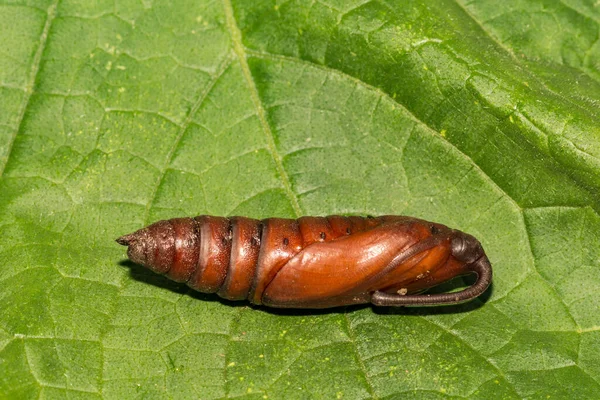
(313, 262)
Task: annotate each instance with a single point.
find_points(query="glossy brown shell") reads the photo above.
(312, 262)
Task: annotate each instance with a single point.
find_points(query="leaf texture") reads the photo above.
(477, 114)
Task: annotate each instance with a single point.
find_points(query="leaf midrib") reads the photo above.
(240, 51)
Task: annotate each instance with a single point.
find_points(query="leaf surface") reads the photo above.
(479, 115)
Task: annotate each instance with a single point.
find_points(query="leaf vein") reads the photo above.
(241, 53)
(222, 68)
(33, 75)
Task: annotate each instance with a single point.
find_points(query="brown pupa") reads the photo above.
(313, 262)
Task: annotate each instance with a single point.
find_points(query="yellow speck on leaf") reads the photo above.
(443, 133)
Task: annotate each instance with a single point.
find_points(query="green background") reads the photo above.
(481, 115)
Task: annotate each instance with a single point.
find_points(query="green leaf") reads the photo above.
(481, 115)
